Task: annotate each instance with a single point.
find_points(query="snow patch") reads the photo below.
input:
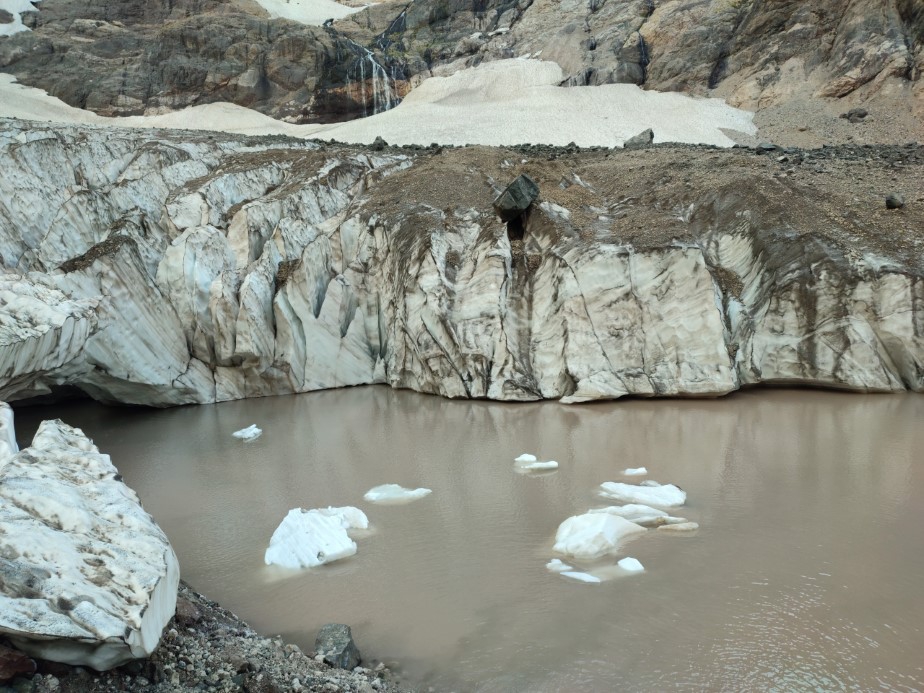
(311, 12)
(15, 8)
(394, 494)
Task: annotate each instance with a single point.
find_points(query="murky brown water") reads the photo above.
(807, 572)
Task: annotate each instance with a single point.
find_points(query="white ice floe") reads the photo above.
(526, 457)
(395, 494)
(635, 471)
(556, 566)
(312, 12)
(643, 515)
(582, 577)
(667, 496)
(309, 538)
(249, 433)
(680, 527)
(630, 564)
(592, 535)
(536, 466)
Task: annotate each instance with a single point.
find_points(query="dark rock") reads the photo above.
(186, 612)
(766, 147)
(894, 201)
(642, 139)
(335, 644)
(517, 198)
(855, 115)
(378, 144)
(13, 663)
(6, 17)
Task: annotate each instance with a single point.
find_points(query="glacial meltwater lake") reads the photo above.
(807, 572)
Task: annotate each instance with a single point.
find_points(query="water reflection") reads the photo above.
(805, 575)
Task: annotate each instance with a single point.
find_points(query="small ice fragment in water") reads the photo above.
(525, 457)
(581, 577)
(249, 433)
(680, 527)
(395, 494)
(635, 471)
(309, 538)
(665, 496)
(630, 564)
(643, 515)
(536, 466)
(592, 535)
(556, 566)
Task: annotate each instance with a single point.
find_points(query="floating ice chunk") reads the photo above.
(556, 566)
(249, 433)
(536, 466)
(680, 527)
(667, 495)
(308, 538)
(593, 535)
(643, 515)
(525, 457)
(631, 564)
(582, 577)
(395, 494)
(635, 471)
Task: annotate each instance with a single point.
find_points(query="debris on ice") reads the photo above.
(667, 495)
(556, 566)
(635, 471)
(309, 538)
(581, 577)
(592, 535)
(631, 564)
(394, 494)
(249, 433)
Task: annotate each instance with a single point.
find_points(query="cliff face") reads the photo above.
(155, 269)
(130, 57)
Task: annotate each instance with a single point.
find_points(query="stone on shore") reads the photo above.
(335, 644)
(642, 139)
(86, 575)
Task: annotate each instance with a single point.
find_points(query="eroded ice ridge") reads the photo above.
(309, 538)
(665, 496)
(88, 578)
(395, 494)
(249, 433)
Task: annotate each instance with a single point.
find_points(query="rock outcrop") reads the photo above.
(202, 269)
(86, 576)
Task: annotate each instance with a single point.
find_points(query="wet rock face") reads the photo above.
(259, 266)
(86, 576)
(131, 57)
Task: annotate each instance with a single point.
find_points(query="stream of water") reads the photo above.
(806, 572)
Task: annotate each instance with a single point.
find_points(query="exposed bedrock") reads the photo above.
(166, 271)
(86, 576)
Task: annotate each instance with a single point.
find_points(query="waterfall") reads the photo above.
(384, 96)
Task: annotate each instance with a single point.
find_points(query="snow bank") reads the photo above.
(394, 494)
(313, 12)
(497, 103)
(249, 433)
(667, 496)
(592, 535)
(309, 538)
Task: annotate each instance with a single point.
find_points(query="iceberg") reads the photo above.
(592, 535)
(643, 515)
(635, 471)
(667, 496)
(630, 564)
(395, 494)
(556, 566)
(249, 433)
(309, 538)
(582, 577)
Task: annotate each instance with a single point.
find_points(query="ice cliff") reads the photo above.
(163, 269)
